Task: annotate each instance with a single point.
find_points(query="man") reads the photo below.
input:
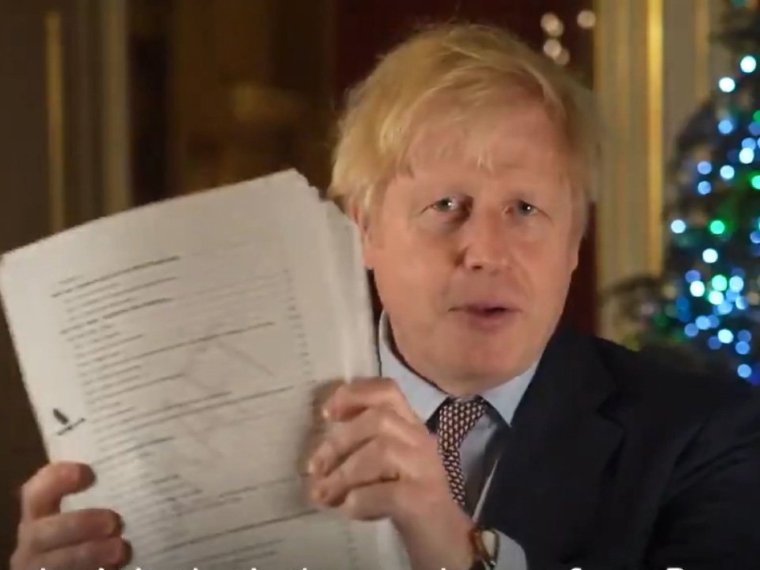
(495, 439)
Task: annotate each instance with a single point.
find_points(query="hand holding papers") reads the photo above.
(176, 348)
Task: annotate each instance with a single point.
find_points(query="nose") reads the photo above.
(485, 243)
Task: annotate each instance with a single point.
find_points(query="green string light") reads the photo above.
(719, 283)
(755, 181)
(717, 227)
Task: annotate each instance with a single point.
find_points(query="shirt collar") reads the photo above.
(425, 398)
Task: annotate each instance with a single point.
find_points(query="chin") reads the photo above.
(488, 364)
(502, 351)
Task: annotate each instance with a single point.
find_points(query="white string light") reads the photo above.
(554, 28)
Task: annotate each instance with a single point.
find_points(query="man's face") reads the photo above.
(473, 266)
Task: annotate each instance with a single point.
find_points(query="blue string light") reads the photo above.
(697, 288)
(725, 336)
(726, 84)
(748, 64)
(725, 126)
(692, 275)
(710, 255)
(725, 307)
(715, 297)
(736, 283)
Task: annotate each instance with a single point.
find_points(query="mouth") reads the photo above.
(486, 313)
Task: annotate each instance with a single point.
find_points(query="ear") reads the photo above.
(576, 242)
(574, 260)
(363, 222)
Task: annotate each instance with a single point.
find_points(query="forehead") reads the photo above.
(522, 137)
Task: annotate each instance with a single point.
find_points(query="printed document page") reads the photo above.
(177, 349)
(353, 302)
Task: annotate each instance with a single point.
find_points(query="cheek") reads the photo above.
(550, 265)
(408, 265)
(413, 259)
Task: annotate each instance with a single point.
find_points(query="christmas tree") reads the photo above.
(707, 301)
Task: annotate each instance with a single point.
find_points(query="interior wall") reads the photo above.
(51, 177)
(249, 89)
(23, 168)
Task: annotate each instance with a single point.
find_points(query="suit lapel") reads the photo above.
(550, 478)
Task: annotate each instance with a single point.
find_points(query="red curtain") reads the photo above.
(367, 28)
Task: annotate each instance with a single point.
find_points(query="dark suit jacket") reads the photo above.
(619, 462)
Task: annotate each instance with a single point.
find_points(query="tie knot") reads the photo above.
(455, 419)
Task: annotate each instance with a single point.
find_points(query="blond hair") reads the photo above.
(451, 72)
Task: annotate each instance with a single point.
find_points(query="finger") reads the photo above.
(378, 501)
(380, 460)
(351, 398)
(41, 495)
(108, 553)
(323, 392)
(68, 529)
(314, 436)
(345, 438)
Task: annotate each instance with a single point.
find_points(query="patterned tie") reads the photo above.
(455, 419)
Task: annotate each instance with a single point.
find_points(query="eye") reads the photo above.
(526, 209)
(448, 204)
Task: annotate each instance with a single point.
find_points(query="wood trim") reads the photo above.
(55, 119)
(629, 88)
(117, 185)
(655, 104)
(702, 48)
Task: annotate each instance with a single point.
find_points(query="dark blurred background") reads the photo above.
(110, 104)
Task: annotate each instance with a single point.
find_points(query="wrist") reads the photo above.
(465, 555)
(439, 542)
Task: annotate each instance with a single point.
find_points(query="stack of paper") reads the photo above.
(176, 348)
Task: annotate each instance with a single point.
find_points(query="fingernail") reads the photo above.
(117, 524)
(73, 471)
(326, 415)
(80, 473)
(116, 552)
